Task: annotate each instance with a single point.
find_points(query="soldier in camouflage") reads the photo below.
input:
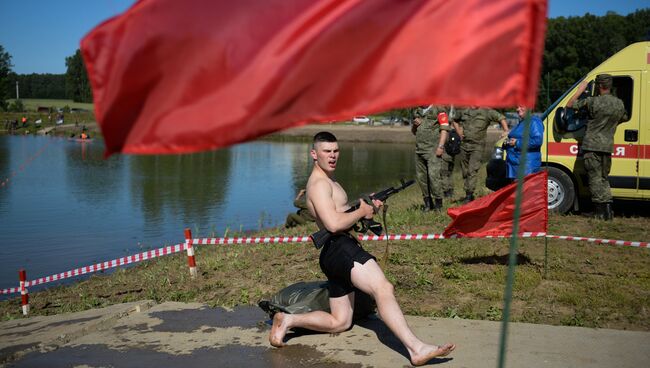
(449, 158)
(471, 124)
(430, 126)
(446, 171)
(605, 112)
(302, 216)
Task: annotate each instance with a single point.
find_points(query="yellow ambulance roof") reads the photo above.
(634, 57)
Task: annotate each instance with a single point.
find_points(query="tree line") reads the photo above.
(73, 85)
(34, 85)
(574, 46)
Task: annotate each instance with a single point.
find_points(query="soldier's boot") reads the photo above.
(599, 212)
(428, 204)
(437, 205)
(468, 198)
(608, 215)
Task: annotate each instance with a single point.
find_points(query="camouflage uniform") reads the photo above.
(300, 217)
(448, 160)
(446, 172)
(427, 164)
(605, 113)
(475, 123)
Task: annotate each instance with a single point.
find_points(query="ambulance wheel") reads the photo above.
(561, 191)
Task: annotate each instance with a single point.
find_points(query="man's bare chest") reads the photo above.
(339, 197)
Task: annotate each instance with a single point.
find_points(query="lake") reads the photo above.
(64, 206)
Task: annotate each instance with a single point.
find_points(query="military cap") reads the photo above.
(604, 80)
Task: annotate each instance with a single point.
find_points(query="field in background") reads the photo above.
(32, 104)
(81, 115)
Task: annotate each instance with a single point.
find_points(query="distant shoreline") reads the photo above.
(361, 133)
(351, 133)
(344, 132)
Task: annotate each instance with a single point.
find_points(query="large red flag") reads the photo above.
(173, 76)
(493, 214)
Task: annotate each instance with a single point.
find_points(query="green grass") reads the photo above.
(586, 284)
(84, 118)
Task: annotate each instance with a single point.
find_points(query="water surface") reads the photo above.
(64, 206)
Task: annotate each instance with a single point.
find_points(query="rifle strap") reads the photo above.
(386, 251)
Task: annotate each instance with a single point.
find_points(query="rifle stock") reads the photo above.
(322, 236)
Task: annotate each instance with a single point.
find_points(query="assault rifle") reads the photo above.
(321, 237)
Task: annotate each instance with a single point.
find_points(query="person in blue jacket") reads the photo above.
(514, 142)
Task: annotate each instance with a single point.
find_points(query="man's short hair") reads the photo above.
(324, 137)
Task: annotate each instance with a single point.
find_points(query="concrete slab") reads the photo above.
(43, 333)
(191, 334)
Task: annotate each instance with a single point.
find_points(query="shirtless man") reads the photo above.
(346, 264)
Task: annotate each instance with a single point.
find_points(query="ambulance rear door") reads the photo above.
(624, 175)
(644, 134)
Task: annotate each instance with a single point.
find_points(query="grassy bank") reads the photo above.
(585, 284)
(73, 121)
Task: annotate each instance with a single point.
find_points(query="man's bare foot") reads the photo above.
(279, 329)
(431, 351)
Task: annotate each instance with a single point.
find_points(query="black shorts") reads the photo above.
(337, 259)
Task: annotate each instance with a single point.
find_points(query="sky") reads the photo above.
(40, 34)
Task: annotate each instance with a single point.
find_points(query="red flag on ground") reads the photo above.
(493, 214)
(173, 76)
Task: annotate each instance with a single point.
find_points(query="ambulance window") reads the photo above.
(589, 91)
(623, 88)
(568, 120)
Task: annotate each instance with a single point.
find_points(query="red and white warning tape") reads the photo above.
(252, 240)
(639, 244)
(522, 235)
(306, 239)
(276, 240)
(403, 237)
(101, 266)
(10, 290)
